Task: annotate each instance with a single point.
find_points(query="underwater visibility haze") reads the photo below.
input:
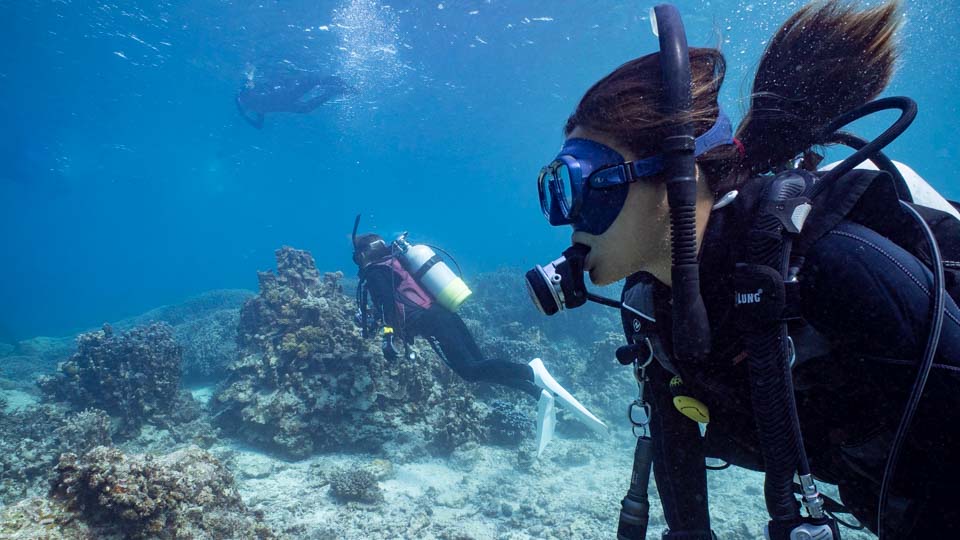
(179, 322)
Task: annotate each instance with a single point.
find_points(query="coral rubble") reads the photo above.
(109, 494)
(32, 440)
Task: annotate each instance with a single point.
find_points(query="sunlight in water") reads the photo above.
(369, 38)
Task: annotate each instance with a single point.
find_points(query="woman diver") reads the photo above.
(796, 344)
(412, 298)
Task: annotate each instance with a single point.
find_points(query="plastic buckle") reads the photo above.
(791, 213)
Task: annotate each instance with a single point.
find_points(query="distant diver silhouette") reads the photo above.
(300, 92)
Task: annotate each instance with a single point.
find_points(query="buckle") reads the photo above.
(791, 213)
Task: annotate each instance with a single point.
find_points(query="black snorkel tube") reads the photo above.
(691, 329)
(353, 237)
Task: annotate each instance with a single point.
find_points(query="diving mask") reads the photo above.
(585, 186)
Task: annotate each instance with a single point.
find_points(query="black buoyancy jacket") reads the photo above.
(865, 305)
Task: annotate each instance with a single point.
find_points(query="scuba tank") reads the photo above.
(429, 270)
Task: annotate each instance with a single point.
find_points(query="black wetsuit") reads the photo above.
(866, 312)
(446, 333)
(285, 94)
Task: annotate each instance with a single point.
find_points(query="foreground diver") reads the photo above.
(414, 293)
(799, 314)
(294, 92)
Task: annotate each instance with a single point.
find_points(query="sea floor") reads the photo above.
(478, 492)
(482, 492)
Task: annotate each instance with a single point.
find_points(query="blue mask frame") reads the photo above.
(586, 184)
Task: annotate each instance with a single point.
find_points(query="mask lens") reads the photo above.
(544, 190)
(565, 185)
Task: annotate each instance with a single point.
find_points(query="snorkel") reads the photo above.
(353, 240)
(691, 329)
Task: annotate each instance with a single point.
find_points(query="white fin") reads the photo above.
(546, 421)
(543, 379)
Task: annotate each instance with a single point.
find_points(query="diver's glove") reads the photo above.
(390, 350)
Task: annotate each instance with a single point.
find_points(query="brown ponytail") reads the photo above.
(828, 58)
(825, 60)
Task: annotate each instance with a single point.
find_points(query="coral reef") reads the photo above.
(507, 424)
(30, 358)
(46, 350)
(306, 380)
(205, 326)
(209, 344)
(32, 440)
(108, 494)
(132, 376)
(355, 485)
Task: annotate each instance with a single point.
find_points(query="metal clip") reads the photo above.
(640, 373)
(643, 421)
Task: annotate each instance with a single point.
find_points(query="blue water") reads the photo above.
(128, 180)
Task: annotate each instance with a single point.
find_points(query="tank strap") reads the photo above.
(426, 267)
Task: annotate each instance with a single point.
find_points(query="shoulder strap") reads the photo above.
(768, 266)
(862, 190)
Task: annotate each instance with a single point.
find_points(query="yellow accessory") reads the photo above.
(453, 294)
(387, 329)
(690, 407)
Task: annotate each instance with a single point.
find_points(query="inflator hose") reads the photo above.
(879, 159)
(635, 507)
(908, 108)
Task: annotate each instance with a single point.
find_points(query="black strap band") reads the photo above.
(426, 267)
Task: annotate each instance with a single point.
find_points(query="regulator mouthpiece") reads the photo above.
(559, 285)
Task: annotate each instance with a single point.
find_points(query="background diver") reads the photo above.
(290, 92)
(862, 281)
(415, 294)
